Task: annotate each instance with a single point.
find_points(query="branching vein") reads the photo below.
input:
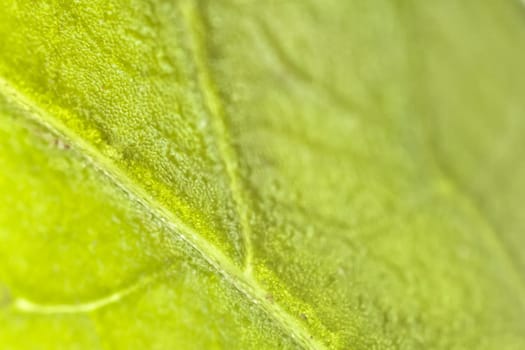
(28, 306)
(195, 30)
(230, 272)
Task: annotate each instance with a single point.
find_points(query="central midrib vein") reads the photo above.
(240, 280)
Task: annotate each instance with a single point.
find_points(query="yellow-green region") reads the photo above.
(241, 174)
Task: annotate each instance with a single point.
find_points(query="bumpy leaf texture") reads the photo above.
(316, 174)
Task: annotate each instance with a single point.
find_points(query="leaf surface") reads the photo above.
(280, 174)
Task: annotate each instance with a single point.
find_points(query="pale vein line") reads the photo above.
(28, 306)
(216, 108)
(244, 283)
(267, 39)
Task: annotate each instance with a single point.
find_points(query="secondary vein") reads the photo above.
(214, 104)
(28, 306)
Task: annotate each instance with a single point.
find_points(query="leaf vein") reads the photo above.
(215, 106)
(239, 280)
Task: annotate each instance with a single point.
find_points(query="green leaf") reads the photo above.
(262, 174)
